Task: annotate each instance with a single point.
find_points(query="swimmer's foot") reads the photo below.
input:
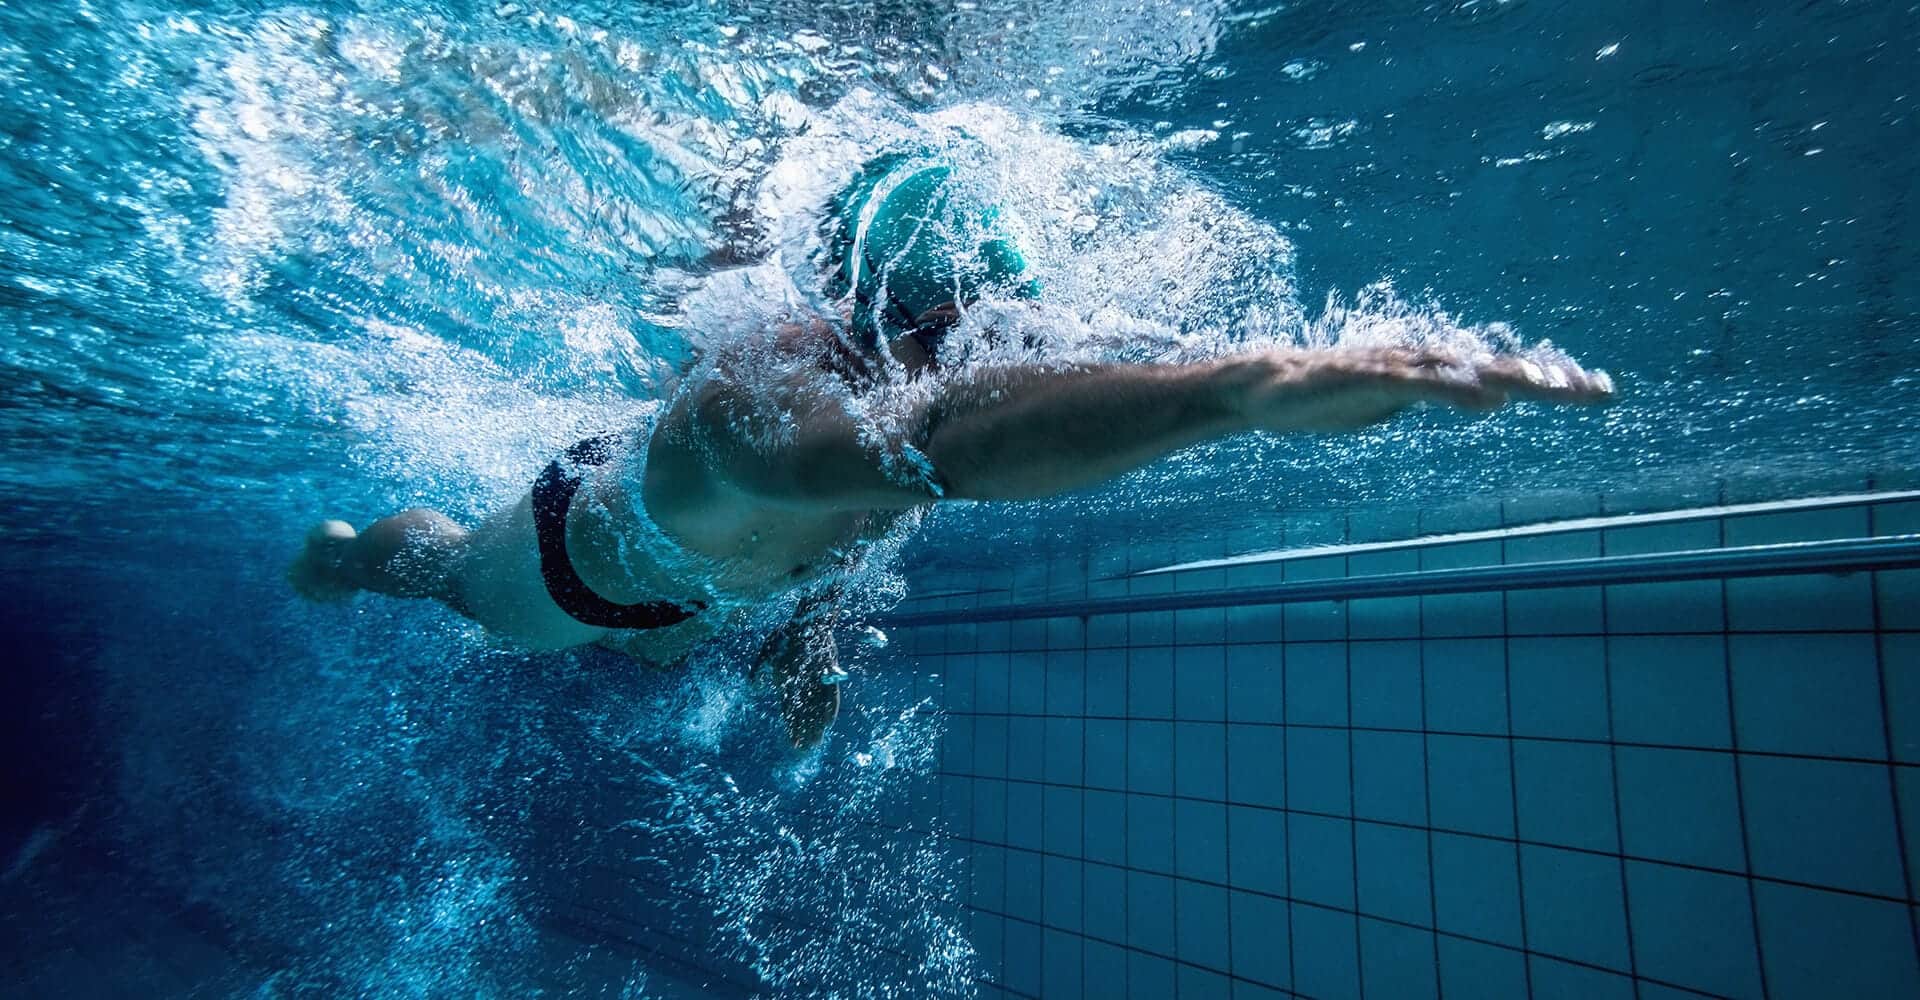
(319, 573)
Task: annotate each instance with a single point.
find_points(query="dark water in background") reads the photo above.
(261, 262)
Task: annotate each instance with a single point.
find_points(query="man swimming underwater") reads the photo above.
(763, 471)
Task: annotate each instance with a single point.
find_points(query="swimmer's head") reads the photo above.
(910, 251)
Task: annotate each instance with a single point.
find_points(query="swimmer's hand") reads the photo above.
(799, 660)
(1335, 390)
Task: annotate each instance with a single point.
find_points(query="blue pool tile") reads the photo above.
(990, 810)
(1201, 984)
(1476, 888)
(1025, 822)
(991, 679)
(1907, 787)
(1466, 685)
(1106, 753)
(990, 746)
(1258, 838)
(1025, 890)
(1317, 771)
(1811, 601)
(1200, 683)
(1326, 952)
(1315, 620)
(1900, 666)
(1201, 937)
(1200, 759)
(959, 683)
(1387, 692)
(1660, 608)
(1150, 918)
(1104, 911)
(1150, 757)
(1556, 611)
(1257, 765)
(1681, 806)
(1384, 617)
(1200, 840)
(1262, 943)
(1106, 631)
(1320, 859)
(956, 746)
(1470, 784)
(1829, 823)
(1066, 633)
(1899, 596)
(1470, 970)
(1462, 614)
(1316, 683)
(1256, 622)
(1670, 690)
(1556, 980)
(1150, 832)
(956, 805)
(1556, 547)
(1026, 748)
(989, 866)
(1390, 777)
(989, 937)
(1065, 743)
(1823, 944)
(1106, 825)
(1027, 634)
(1150, 683)
(1565, 793)
(1693, 929)
(1105, 969)
(1062, 819)
(1027, 683)
(1107, 683)
(1575, 905)
(1066, 682)
(1149, 977)
(1199, 625)
(1390, 865)
(1673, 536)
(1808, 694)
(1559, 687)
(1060, 965)
(1149, 629)
(1254, 683)
(1062, 894)
(994, 637)
(1398, 961)
(1814, 601)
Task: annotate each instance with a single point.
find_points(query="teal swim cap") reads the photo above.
(906, 241)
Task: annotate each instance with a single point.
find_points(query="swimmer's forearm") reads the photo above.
(1016, 434)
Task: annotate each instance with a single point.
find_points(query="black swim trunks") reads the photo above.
(552, 495)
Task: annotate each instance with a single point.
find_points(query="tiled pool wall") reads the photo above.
(1703, 787)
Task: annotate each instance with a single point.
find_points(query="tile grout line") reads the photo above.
(1739, 780)
(1886, 732)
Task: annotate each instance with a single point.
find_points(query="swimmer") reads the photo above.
(650, 538)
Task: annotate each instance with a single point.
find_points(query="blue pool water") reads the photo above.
(264, 262)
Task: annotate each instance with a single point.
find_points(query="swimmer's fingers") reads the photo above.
(1548, 381)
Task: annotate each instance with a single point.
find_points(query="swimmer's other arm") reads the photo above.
(1030, 432)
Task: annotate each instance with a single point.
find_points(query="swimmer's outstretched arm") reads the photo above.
(1030, 432)
(1018, 434)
